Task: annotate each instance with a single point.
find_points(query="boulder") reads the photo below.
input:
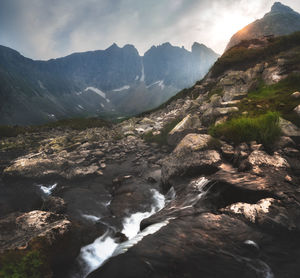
(48, 233)
(268, 213)
(288, 128)
(190, 157)
(260, 158)
(190, 124)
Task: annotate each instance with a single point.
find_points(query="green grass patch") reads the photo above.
(162, 138)
(263, 129)
(276, 97)
(29, 265)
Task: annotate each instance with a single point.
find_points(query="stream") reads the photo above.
(95, 254)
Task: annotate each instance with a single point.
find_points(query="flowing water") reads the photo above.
(95, 254)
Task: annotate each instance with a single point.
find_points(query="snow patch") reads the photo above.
(142, 79)
(41, 85)
(126, 87)
(80, 106)
(159, 83)
(98, 92)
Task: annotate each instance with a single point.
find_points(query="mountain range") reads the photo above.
(115, 82)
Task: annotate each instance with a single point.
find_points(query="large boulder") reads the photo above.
(190, 124)
(190, 157)
(260, 158)
(48, 233)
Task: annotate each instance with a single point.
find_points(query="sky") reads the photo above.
(44, 29)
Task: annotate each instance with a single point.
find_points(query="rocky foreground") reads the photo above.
(236, 209)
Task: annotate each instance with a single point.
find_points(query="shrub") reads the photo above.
(263, 129)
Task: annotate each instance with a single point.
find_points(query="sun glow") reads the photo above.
(229, 24)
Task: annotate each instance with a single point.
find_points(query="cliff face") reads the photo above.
(281, 20)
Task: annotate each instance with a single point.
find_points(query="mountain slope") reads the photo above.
(281, 20)
(107, 82)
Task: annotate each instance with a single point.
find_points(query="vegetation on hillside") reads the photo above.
(263, 129)
(75, 123)
(240, 57)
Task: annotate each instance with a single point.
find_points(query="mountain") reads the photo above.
(281, 20)
(114, 82)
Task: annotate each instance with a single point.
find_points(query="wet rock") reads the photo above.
(188, 125)
(55, 205)
(186, 247)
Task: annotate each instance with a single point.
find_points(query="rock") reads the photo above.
(297, 110)
(189, 124)
(192, 142)
(186, 161)
(55, 205)
(245, 165)
(268, 213)
(46, 232)
(227, 151)
(34, 167)
(260, 158)
(295, 95)
(288, 128)
(283, 142)
(226, 110)
(198, 245)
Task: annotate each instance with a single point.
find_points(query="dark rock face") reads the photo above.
(281, 20)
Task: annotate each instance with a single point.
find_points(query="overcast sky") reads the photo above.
(43, 29)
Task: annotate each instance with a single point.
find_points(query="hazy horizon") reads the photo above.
(42, 31)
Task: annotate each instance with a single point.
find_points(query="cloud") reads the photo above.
(44, 29)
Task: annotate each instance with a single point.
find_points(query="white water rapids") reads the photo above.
(95, 254)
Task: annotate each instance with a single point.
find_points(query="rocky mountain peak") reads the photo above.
(280, 8)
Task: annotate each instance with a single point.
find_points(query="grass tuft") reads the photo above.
(263, 129)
